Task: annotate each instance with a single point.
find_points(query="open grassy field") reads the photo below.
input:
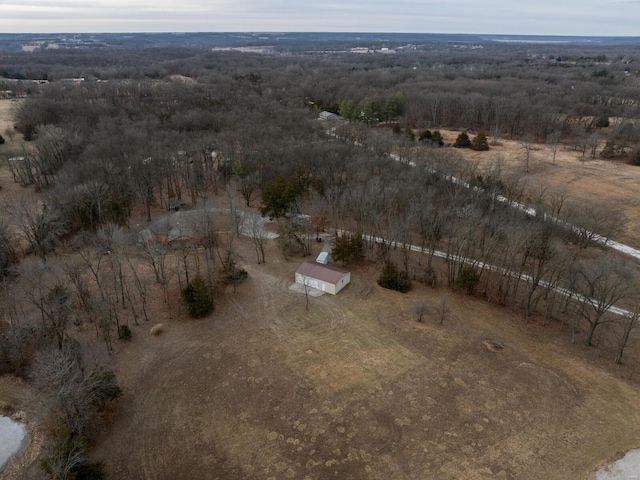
(604, 182)
(356, 388)
(6, 121)
(6, 115)
(9, 148)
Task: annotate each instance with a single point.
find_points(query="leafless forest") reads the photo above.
(104, 145)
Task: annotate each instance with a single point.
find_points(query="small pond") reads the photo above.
(12, 434)
(625, 468)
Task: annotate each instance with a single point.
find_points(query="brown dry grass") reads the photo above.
(593, 180)
(8, 148)
(7, 108)
(356, 388)
(6, 115)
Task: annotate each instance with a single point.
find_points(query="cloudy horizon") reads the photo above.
(545, 17)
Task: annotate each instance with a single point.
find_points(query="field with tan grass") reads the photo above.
(356, 388)
(606, 183)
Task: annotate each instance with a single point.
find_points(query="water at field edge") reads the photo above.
(625, 468)
(12, 434)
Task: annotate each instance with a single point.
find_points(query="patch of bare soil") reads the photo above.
(356, 388)
(493, 346)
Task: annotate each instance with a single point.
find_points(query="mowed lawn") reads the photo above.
(355, 388)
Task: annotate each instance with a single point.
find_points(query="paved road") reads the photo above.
(470, 261)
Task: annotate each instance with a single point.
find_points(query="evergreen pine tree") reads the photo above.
(480, 143)
(462, 141)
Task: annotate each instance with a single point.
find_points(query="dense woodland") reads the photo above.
(159, 129)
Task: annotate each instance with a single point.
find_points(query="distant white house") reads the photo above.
(328, 116)
(326, 278)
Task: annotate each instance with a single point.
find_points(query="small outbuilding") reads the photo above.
(326, 278)
(323, 258)
(328, 116)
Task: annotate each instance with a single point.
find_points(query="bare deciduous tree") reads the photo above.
(601, 283)
(254, 226)
(10, 133)
(443, 309)
(61, 455)
(155, 252)
(74, 388)
(235, 214)
(75, 270)
(49, 294)
(8, 246)
(626, 324)
(41, 226)
(553, 143)
(593, 222)
(141, 286)
(420, 310)
(526, 146)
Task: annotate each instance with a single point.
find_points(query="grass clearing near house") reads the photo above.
(7, 107)
(356, 388)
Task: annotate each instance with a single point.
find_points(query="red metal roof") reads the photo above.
(326, 273)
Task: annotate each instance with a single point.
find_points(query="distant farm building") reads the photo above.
(325, 278)
(72, 81)
(328, 116)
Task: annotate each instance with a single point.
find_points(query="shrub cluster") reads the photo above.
(348, 248)
(198, 297)
(434, 137)
(468, 280)
(479, 143)
(231, 273)
(394, 279)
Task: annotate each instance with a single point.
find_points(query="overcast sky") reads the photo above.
(530, 17)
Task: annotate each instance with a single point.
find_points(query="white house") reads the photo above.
(326, 278)
(328, 116)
